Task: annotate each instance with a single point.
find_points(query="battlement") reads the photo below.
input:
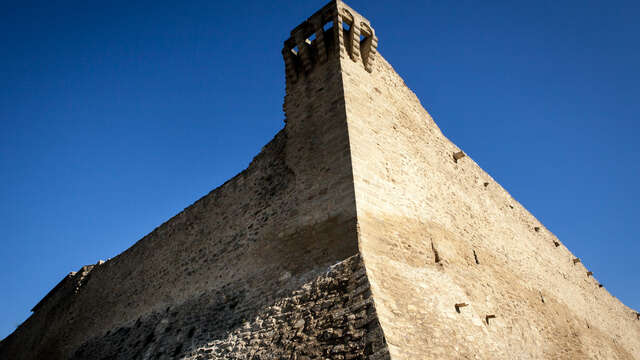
(316, 39)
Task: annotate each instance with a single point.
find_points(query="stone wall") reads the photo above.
(321, 314)
(427, 256)
(291, 212)
(436, 231)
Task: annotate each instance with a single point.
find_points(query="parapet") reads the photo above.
(316, 39)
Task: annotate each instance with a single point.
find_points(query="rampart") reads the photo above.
(435, 230)
(245, 247)
(359, 232)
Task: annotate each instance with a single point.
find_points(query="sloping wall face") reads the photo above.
(258, 237)
(329, 316)
(435, 232)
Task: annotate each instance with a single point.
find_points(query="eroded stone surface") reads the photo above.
(329, 316)
(436, 230)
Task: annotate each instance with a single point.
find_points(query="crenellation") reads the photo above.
(290, 64)
(352, 35)
(359, 42)
(321, 48)
(368, 46)
(304, 50)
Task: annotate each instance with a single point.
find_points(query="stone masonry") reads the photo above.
(359, 232)
(329, 316)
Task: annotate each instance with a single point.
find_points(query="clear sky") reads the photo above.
(116, 115)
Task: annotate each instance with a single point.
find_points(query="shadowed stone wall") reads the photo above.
(231, 254)
(321, 314)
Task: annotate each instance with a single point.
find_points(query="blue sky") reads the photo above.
(114, 116)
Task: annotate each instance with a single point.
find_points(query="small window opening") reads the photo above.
(295, 50)
(312, 37)
(346, 26)
(328, 26)
(362, 37)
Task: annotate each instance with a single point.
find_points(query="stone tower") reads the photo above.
(359, 232)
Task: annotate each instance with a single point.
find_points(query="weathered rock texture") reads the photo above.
(327, 315)
(359, 232)
(435, 231)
